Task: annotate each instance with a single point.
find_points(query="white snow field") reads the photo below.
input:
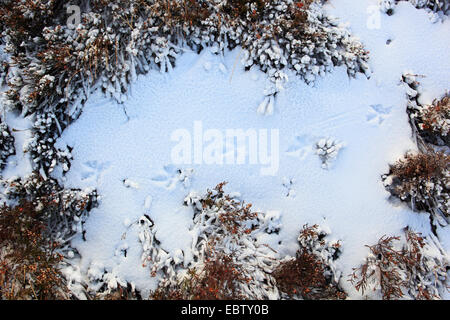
(125, 150)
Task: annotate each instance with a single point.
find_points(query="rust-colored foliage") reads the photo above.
(220, 274)
(304, 275)
(422, 166)
(234, 215)
(240, 8)
(218, 280)
(437, 113)
(28, 259)
(389, 279)
(396, 272)
(422, 179)
(301, 275)
(15, 15)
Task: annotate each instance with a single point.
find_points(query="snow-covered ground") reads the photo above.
(125, 150)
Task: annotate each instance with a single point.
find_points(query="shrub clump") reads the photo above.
(38, 219)
(28, 259)
(412, 268)
(430, 123)
(64, 211)
(311, 275)
(440, 7)
(227, 260)
(433, 5)
(3, 63)
(423, 180)
(217, 280)
(6, 144)
(434, 120)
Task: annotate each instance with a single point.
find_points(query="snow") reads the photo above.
(124, 151)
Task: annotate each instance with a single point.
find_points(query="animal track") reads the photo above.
(377, 114)
(301, 148)
(328, 150)
(91, 170)
(288, 184)
(171, 176)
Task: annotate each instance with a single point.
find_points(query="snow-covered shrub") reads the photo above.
(422, 180)
(226, 259)
(3, 63)
(312, 273)
(432, 122)
(218, 279)
(46, 129)
(328, 150)
(37, 222)
(96, 282)
(387, 6)
(409, 267)
(28, 259)
(54, 67)
(437, 8)
(433, 5)
(64, 211)
(6, 144)
(102, 284)
(153, 254)
(435, 118)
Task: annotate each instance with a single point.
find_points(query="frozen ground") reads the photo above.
(125, 150)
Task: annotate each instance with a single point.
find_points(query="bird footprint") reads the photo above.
(377, 114)
(91, 170)
(288, 184)
(301, 148)
(171, 176)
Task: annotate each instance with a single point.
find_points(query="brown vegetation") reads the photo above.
(401, 272)
(28, 261)
(305, 275)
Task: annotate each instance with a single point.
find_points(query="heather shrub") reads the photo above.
(422, 180)
(430, 123)
(217, 280)
(433, 5)
(3, 63)
(440, 7)
(227, 260)
(311, 274)
(28, 258)
(409, 267)
(7, 147)
(64, 211)
(433, 121)
(38, 219)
